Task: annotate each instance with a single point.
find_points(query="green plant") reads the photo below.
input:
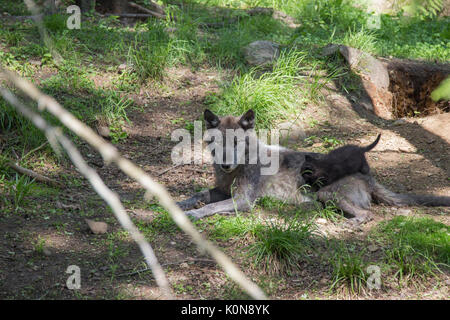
(280, 246)
(348, 268)
(418, 246)
(149, 54)
(273, 95)
(20, 187)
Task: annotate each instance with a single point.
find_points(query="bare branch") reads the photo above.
(110, 154)
(97, 183)
(32, 174)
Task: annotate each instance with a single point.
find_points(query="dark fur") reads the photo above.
(239, 188)
(341, 162)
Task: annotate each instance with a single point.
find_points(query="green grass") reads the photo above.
(348, 268)
(225, 228)
(416, 246)
(272, 95)
(281, 246)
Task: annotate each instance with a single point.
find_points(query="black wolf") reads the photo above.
(341, 162)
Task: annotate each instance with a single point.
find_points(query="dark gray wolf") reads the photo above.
(338, 163)
(238, 186)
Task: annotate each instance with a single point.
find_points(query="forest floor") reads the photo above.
(44, 232)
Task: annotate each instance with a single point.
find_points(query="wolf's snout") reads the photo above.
(225, 167)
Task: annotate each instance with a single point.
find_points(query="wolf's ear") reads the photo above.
(247, 121)
(211, 120)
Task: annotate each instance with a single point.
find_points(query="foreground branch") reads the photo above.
(97, 183)
(110, 154)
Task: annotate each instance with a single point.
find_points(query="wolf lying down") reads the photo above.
(238, 186)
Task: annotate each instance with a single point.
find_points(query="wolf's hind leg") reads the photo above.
(351, 195)
(207, 196)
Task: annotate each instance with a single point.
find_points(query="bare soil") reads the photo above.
(412, 156)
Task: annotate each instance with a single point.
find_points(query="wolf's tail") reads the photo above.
(373, 144)
(383, 195)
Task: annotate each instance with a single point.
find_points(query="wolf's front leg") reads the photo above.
(225, 206)
(206, 197)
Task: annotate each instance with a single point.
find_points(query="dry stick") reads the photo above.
(35, 149)
(168, 169)
(154, 7)
(132, 273)
(99, 186)
(32, 174)
(110, 154)
(137, 15)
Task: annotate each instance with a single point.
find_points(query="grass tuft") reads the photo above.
(281, 246)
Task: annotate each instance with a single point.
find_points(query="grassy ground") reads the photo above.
(142, 81)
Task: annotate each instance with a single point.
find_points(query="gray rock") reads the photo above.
(260, 53)
(363, 63)
(291, 131)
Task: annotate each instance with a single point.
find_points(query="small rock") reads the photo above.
(36, 62)
(291, 131)
(184, 265)
(47, 252)
(401, 149)
(260, 53)
(103, 131)
(404, 212)
(372, 248)
(173, 243)
(437, 159)
(321, 221)
(122, 67)
(97, 227)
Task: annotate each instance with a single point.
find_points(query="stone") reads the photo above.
(291, 132)
(97, 227)
(261, 53)
(374, 78)
(104, 131)
(404, 212)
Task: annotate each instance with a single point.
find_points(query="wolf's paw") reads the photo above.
(195, 214)
(358, 221)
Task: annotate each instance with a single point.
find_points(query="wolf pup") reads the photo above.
(239, 185)
(341, 162)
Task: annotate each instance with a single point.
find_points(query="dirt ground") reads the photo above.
(412, 156)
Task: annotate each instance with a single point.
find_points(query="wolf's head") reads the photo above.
(313, 172)
(230, 138)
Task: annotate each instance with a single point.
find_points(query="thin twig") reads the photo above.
(165, 265)
(32, 174)
(111, 154)
(168, 169)
(99, 186)
(35, 149)
(142, 9)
